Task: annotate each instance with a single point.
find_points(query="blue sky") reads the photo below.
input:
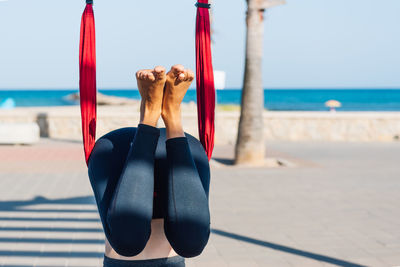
(307, 44)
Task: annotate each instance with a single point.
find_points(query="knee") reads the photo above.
(128, 237)
(188, 240)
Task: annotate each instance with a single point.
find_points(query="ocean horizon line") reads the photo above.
(274, 99)
(236, 89)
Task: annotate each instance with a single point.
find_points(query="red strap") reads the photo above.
(204, 74)
(87, 79)
(205, 80)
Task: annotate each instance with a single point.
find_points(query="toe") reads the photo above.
(177, 69)
(159, 72)
(159, 69)
(139, 74)
(181, 77)
(190, 75)
(185, 75)
(150, 76)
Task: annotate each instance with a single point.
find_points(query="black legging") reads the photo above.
(130, 167)
(176, 261)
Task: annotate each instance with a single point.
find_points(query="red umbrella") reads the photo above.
(87, 78)
(204, 78)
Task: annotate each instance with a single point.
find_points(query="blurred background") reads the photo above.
(307, 126)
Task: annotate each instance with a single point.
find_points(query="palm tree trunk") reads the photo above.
(250, 148)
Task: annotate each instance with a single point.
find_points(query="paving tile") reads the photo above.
(335, 210)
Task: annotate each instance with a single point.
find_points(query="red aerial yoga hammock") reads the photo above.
(204, 78)
(87, 79)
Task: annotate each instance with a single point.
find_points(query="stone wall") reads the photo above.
(328, 126)
(65, 123)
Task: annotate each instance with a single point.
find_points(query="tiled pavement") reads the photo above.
(339, 206)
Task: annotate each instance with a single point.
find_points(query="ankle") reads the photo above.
(174, 128)
(174, 133)
(170, 114)
(149, 115)
(149, 121)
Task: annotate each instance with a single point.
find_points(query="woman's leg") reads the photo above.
(187, 222)
(128, 212)
(131, 207)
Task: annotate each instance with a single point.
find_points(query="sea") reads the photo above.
(274, 99)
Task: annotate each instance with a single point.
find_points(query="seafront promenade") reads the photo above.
(65, 123)
(334, 204)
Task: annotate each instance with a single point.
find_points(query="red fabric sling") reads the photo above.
(87, 79)
(204, 79)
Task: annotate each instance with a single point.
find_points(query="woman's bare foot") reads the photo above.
(176, 86)
(151, 86)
